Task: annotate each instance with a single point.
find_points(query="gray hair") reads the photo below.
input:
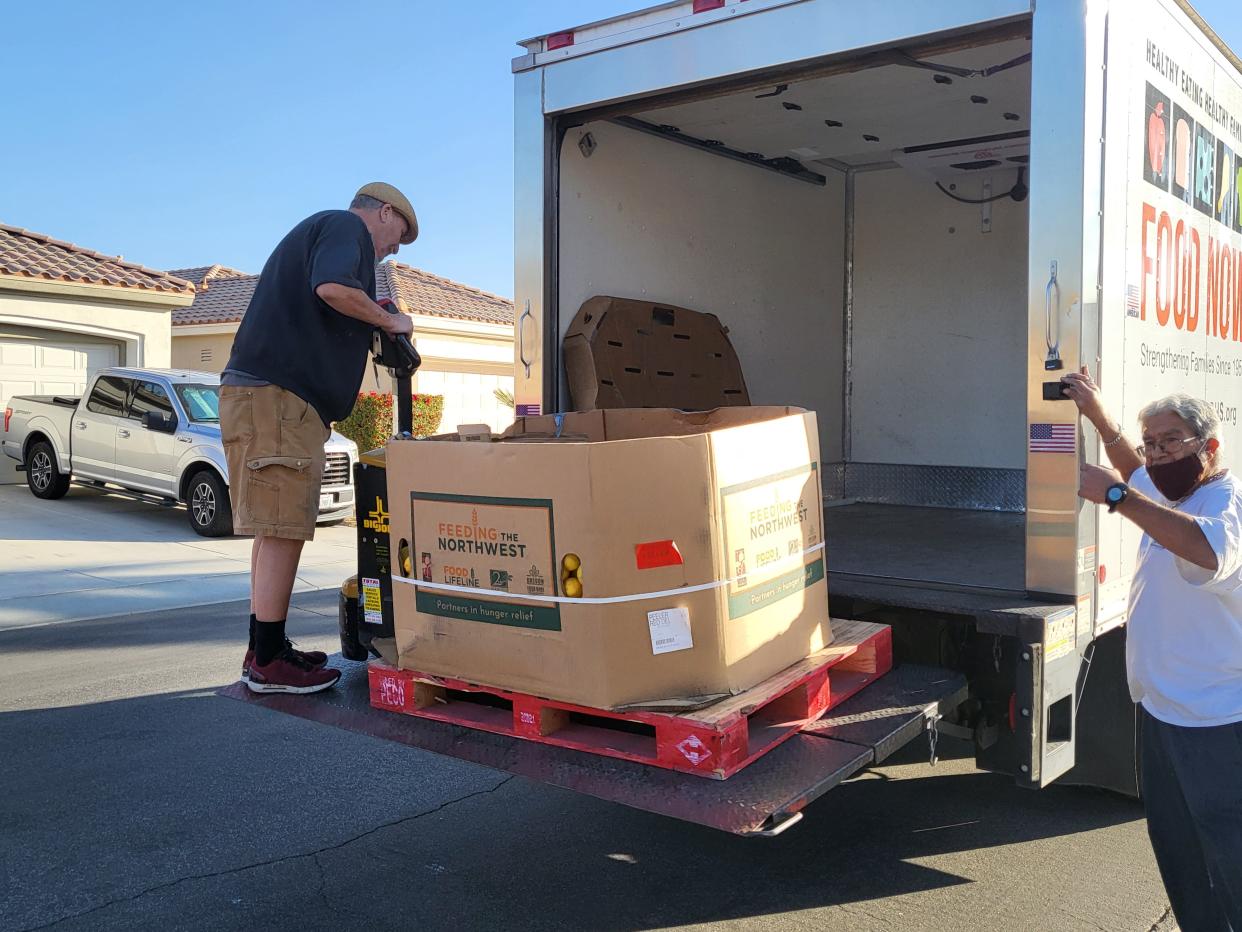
(1197, 413)
(366, 202)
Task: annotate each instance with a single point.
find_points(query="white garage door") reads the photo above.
(469, 398)
(48, 367)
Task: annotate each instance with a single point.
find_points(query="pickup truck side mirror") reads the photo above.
(160, 421)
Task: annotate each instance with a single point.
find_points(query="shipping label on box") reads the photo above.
(501, 544)
(769, 525)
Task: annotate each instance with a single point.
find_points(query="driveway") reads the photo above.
(96, 555)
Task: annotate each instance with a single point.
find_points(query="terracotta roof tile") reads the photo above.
(205, 273)
(224, 294)
(424, 293)
(219, 300)
(24, 254)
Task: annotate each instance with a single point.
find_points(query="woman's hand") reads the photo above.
(1082, 390)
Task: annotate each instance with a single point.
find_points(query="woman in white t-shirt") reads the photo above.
(1184, 641)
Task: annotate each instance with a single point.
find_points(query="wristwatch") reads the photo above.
(1115, 495)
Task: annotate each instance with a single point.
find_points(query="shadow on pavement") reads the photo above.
(310, 613)
(172, 809)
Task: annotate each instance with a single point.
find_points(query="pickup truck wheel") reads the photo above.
(42, 474)
(207, 502)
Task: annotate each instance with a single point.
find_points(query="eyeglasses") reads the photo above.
(1169, 446)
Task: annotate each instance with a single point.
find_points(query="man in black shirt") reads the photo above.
(297, 364)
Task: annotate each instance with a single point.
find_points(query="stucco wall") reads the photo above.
(187, 351)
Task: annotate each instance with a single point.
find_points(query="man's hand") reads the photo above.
(1082, 390)
(1094, 481)
(396, 323)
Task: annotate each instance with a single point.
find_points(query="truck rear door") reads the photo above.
(95, 426)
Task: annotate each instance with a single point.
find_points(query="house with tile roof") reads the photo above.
(464, 335)
(67, 311)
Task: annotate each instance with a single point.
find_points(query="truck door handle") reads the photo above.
(184, 440)
(80, 425)
(1052, 321)
(121, 432)
(522, 338)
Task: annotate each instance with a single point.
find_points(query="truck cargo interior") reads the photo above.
(823, 219)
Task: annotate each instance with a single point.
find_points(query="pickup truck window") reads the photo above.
(201, 402)
(108, 396)
(148, 396)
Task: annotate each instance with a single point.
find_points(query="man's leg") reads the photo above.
(275, 569)
(277, 666)
(255, 545)
(1174, 838)
(254, 568)
(1208, 761)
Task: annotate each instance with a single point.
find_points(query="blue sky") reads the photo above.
(182, 134)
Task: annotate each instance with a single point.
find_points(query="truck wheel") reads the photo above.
(42, 474)
(207, 503)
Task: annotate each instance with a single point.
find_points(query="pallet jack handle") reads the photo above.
(401, 359)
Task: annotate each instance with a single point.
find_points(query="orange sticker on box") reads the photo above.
(657, 553)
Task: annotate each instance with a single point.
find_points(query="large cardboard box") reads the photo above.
(624, 353)
(701, 534)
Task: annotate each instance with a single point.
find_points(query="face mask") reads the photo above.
(1177, 479)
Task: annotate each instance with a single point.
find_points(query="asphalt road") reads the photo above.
(135, 798)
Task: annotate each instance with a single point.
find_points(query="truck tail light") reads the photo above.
(560, 40)
(8, 416)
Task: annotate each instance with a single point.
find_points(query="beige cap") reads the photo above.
(400, 203)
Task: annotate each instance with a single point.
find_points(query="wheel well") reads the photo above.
(193, 471)
(35, 438)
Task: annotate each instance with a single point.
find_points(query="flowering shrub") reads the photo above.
(428, 411)
(370, 423)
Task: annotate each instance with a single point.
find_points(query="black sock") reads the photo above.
(269, 641)
(252, 624)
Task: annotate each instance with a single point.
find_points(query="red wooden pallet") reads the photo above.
(716, 741)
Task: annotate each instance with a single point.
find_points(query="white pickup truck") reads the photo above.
(153, 433)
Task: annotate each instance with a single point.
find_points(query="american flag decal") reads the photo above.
(1132, 301)
(1054, 438)
(528, 410)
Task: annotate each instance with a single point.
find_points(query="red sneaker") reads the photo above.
(316, 658)
(289, 673)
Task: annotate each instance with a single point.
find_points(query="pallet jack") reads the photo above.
(365, 605)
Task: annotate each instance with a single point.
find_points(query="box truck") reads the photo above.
(914, 219)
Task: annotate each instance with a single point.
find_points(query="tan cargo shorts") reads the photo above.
(273, 441)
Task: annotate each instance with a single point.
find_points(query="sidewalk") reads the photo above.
(95, 555)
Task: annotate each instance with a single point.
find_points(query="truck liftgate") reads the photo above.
(765, 798)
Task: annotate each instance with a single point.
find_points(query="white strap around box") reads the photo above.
(610, 600)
